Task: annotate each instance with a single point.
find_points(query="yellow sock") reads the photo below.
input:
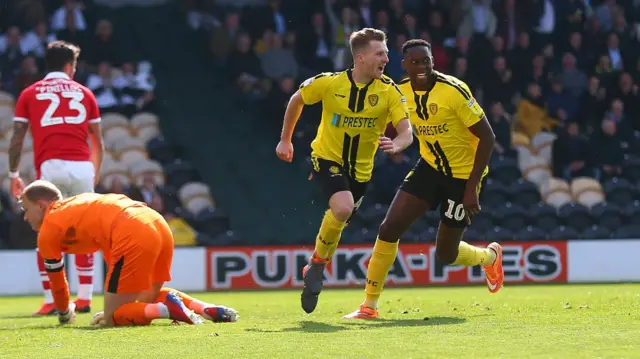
(382, 258)
(469, 255)
(329, 235)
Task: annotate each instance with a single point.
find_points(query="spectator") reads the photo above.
(573, 79)
(592, 105)
(223, 38)
(28, 74)
(102, 47)
(244, 67)
(560, 103)
(102, 86)
(608, 151)
(277, 62)
(35, 41)
(315, 47)
(71, 9)
(394, 67)
(72, 33)
(11, 58)
(500, 123)
(572, 154)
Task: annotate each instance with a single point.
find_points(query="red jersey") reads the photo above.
(59, 111)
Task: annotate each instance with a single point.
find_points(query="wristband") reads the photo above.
(14, 175)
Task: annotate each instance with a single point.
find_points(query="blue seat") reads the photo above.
(607, 215)
(631, 168)
(564, 233)
(211, 222)
(544, 217)
(365, 235)
(576, 216)
(483, 221)
(229, 238)
(512, 217)
(524, 193)
(504, 169)
(180, 173)
(373, 215)
(494, 194)
(429, 235)
(596, 232)
(619, 191)
(159, 149)
(628, 231)
(472, 235)
(631, 212)
(499, 234)
(531, 233)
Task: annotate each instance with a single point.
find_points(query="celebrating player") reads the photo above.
(357, 106)
(137, 244)
(456, 142)
(62, 114)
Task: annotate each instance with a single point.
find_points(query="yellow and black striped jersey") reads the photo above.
(354, 116)
(441, 118)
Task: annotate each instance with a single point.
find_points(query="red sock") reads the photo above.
(84, 266)
(46, 286)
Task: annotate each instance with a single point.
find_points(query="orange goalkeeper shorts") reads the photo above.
(141, 251)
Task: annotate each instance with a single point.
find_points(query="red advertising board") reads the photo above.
(416, 265)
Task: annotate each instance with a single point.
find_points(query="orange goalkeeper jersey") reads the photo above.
(83, 224)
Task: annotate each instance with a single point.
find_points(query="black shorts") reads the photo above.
(333, 178)
(426, 183)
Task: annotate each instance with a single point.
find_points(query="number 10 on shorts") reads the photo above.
(459, 211)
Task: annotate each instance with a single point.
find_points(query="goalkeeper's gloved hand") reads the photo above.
(68, 317)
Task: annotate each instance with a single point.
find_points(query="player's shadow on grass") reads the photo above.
(318, 327)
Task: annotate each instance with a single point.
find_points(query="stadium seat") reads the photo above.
(494, 193)
(524, 193)
(631, 213)
(420, 225)
(433, 217)
(211, 221)
(504, 169)
(619, 191)
(145, 167)
(628, 231)
(143, 119)
(115, 128)
(556, 192)
(631, 169)
(484, 221)
(364, 235)
(147, 133)
(160, 150)
(114, 169)
(6, 99)
(544, 216)
(411, 236)
(596, 232)
(472, 235)
(180, 172)
(512, 217)
(533, 167)
(586, 191)
(195, 197)
(130, 151)
(500, 234)
(564, 233)
(531, 233)
(575, 215)
(607, 215)
(429, 235)
(228, 238)
(373, 215)
(542, 143)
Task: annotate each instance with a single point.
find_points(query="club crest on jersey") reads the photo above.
(334, 169)
(373, 100)
(433, 108)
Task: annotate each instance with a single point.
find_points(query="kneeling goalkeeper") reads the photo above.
(137, 244)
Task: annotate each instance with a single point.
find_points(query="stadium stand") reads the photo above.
(558, 81)
(139, 161)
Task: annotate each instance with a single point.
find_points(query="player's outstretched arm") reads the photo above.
(97, 148)
(284, 150)
(20, 129)
(483, 131)
(403, 139)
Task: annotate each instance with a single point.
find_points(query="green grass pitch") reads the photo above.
(554, 321)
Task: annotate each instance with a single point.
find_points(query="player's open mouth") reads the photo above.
(381, 68)
(421, 75)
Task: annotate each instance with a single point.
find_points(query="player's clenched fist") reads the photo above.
(387, 145)
(17, 186)
(284, 150)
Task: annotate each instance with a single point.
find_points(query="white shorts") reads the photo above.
(71, 177)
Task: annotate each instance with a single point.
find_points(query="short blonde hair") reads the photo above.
(41, 190)
(361, 39)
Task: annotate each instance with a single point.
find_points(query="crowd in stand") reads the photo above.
(121, 82)
(574, 61)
